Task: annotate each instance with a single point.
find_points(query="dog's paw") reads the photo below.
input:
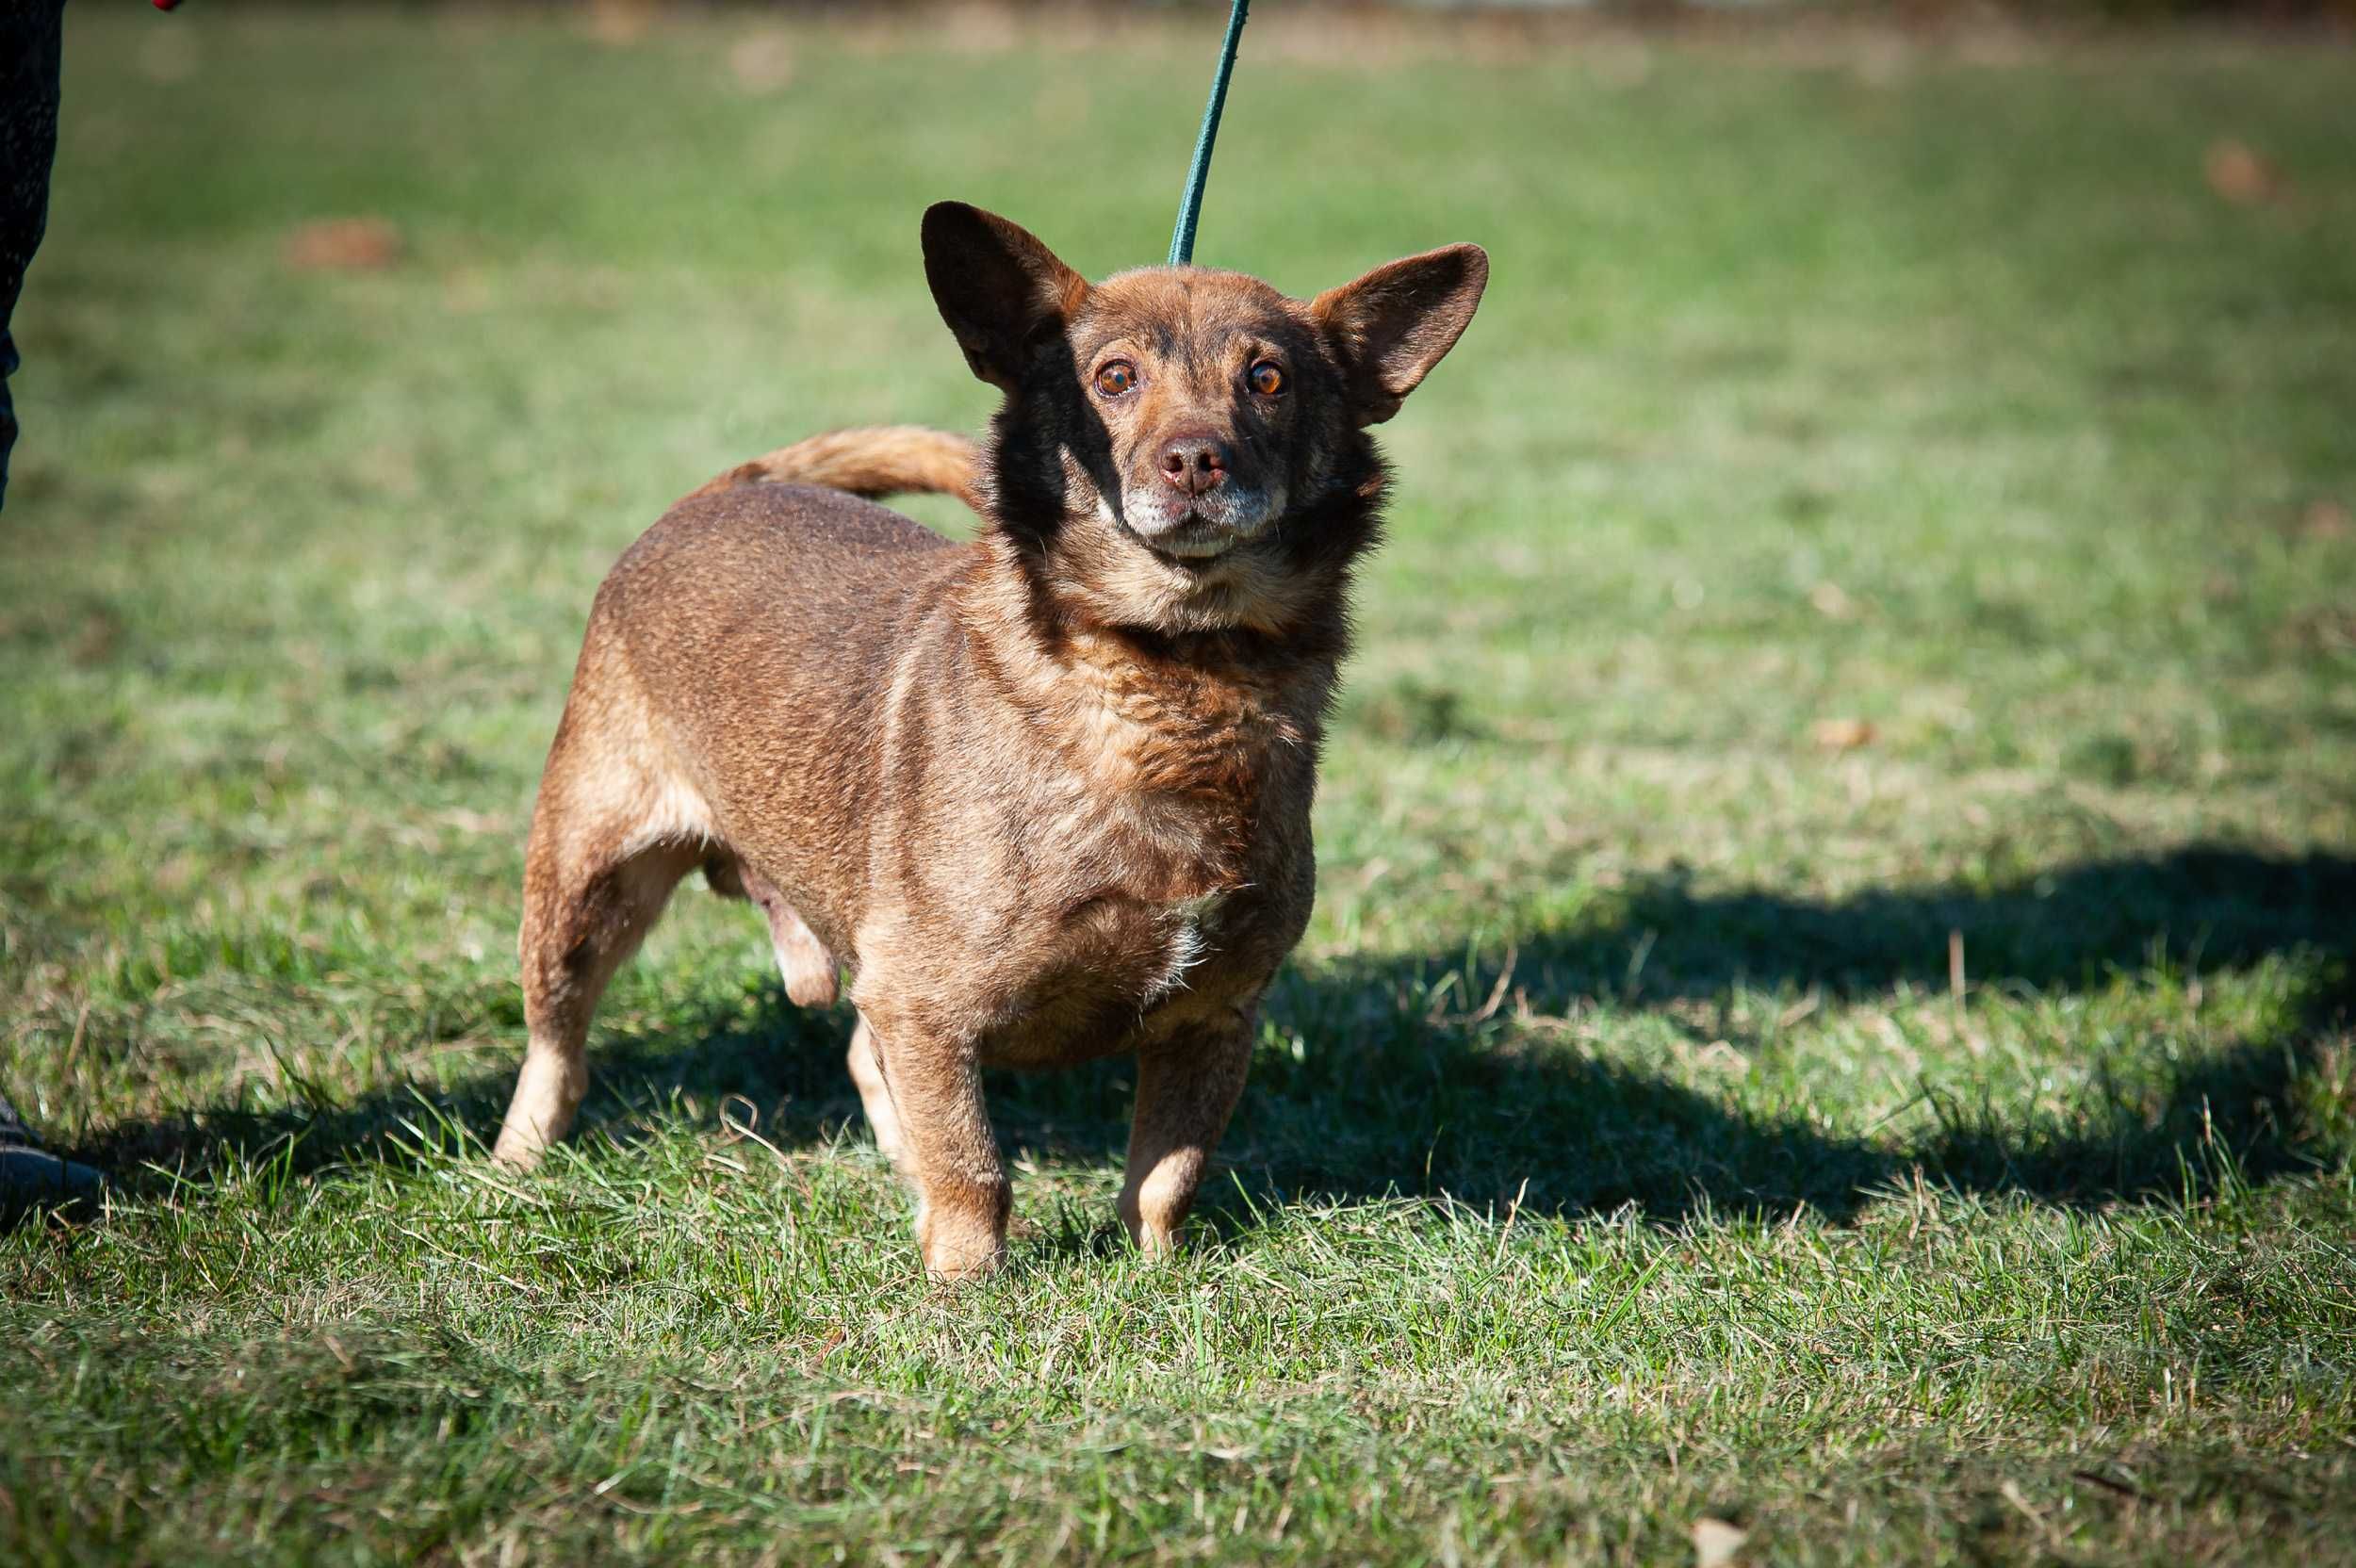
(959, 1248)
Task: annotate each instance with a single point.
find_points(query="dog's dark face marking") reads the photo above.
(1181, 449)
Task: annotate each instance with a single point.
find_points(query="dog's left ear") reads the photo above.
(997, 286)
(1392, 326)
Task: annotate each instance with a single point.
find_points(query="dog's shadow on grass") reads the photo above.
(1424, 1075)
(1403, 1087)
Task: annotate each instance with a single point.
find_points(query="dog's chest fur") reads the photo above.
(1159, 866)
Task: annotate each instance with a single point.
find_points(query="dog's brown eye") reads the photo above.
(1267, 380)
(1116, 378)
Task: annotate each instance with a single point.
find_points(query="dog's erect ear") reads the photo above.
(997, 286)
(1393, 325)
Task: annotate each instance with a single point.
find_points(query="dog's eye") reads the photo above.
(1118, 376)
(1266, 379)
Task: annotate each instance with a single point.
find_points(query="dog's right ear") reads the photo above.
(997, 286)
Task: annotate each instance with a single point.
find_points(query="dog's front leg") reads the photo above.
(945, 1146)
(1188, 1084)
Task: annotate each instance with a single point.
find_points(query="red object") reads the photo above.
(166, 5)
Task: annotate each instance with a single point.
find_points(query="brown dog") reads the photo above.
(1047, 794)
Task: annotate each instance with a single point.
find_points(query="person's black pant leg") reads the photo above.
(30, 34)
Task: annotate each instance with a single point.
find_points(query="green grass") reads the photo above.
(1617, 1155)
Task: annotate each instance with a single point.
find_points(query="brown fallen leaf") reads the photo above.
(2320, 630)
(343, 245)
(94, 642)
(763, 62)
(2241, 174)
(2327, 519)
(620, 21)
(1715, 1541)
(1843, 734)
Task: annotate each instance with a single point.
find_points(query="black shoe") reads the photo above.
(31, 1177)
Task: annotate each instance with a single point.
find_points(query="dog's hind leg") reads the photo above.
(874, 1093)
(611, 838)
(812, 979)
(578, 928)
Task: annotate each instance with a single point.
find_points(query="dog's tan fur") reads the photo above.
(893, 459)
(1045, 795)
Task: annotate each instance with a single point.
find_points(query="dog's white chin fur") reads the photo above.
(1203, 529)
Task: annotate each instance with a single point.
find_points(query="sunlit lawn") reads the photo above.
(1889, 526)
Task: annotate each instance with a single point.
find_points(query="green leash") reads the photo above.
(1190, 204)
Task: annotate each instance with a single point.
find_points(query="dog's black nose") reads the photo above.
(1193, 463)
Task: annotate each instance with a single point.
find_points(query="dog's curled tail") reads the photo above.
(875, 461)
